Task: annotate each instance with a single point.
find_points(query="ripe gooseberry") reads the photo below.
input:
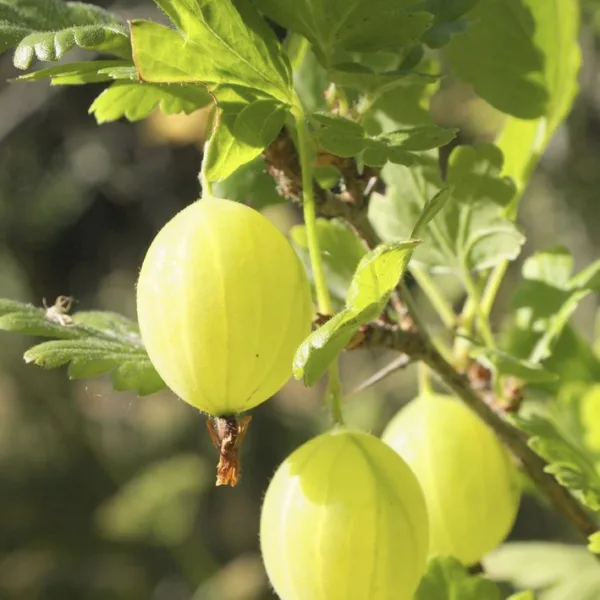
(344, 518)
(470, 484)
(223, 302)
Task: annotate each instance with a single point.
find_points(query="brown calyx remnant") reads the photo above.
(227, 434)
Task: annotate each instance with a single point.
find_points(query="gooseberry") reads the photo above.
(344, 518)
(470, 484)
(223, 303)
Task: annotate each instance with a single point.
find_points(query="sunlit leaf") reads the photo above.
(377, 274)
(91, 343)
(351, 24)
(135, 100)
(446, 579)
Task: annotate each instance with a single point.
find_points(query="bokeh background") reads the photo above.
(107, 496)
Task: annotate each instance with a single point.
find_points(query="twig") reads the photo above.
(395, 365)
(283, 165)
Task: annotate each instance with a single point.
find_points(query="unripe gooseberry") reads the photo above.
(223, 303)
(470, 484)
(344, 518)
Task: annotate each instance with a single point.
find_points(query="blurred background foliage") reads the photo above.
(107, 496)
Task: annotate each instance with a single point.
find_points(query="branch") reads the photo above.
(284, 166)
(418, 347)
(350, 206)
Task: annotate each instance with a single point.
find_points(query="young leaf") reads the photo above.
(351, 24)
(78, 73)
(430, 210)
(135, 100)
(236, 46)
(341, 251)
(338, 135)
(398, 146)
(48, 30)
(251, 185)
(446, 578)
(567, 461)
(470, 231)
(343, 137)
(377, 274)
(505, 364)
(515, 52)
(93, 343)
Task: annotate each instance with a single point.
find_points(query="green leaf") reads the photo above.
(338, 135)
(470, 231)
(92, 343)
(403, 106)
(343, 137)
(135, 100)
(430, 210)
(547, 298)
(251, 185)
(556, 35)
(567, 461)
(556, 571)
(362, 78)
(446, 579)
(245, 126)
(48, 30)
(511, 50)
(418, 139)
(311, 81)
(377, 274)
(447, 21)
(216, 44)
(505, 364)
(158, 505)
(527, 595)
(350, 24)
(78, 73)
(341, 252)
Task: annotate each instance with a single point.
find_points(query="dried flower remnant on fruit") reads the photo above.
(59, 310)
(227, 435)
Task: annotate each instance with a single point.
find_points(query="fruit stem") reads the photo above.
(334, 387)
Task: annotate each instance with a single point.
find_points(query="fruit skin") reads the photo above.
(470, 484)
(344, 519)
(223, 302)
